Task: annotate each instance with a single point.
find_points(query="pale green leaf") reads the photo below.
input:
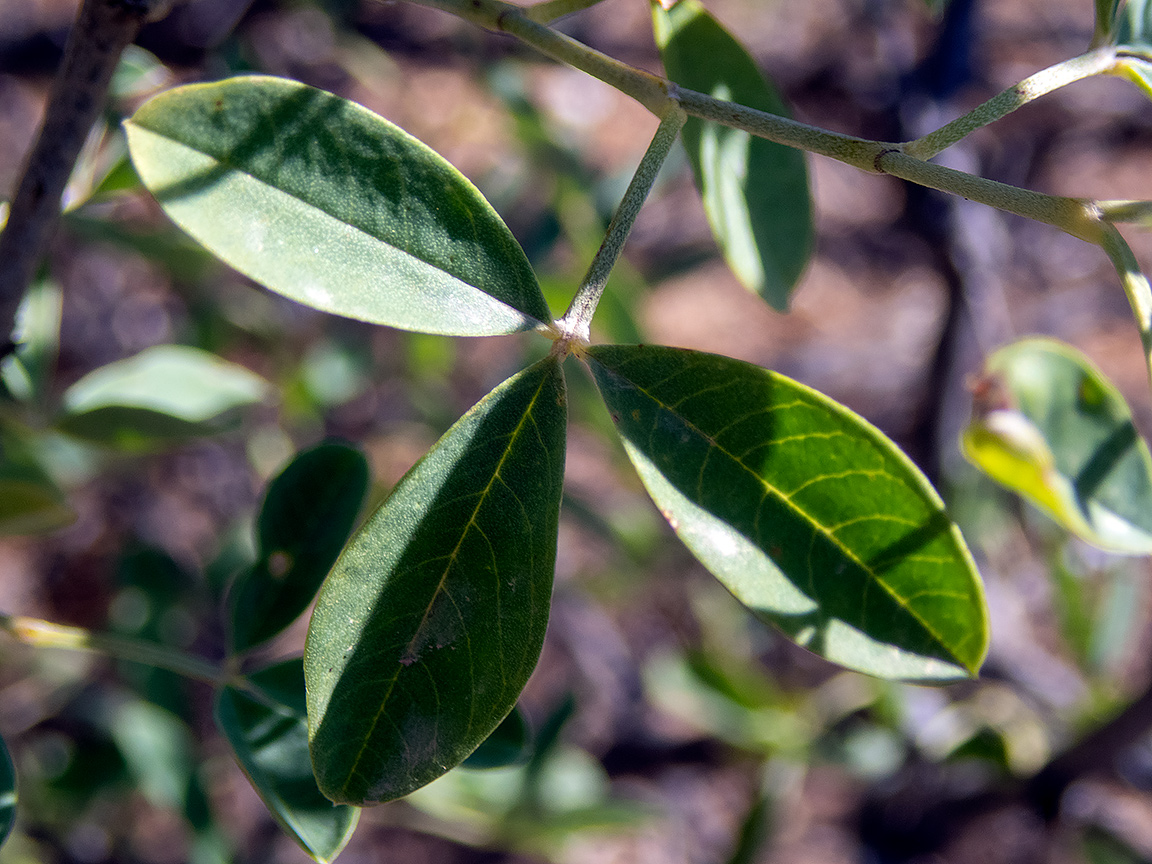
(755, 192)
(433, 618)
(807, 514)
(327, 203)
(1051, 427)
(167, 391)
(270, 739)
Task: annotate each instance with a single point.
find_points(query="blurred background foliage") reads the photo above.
(664, 724)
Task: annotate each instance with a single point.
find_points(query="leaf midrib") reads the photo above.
(512, 438)
(796, 509)
(229, 166)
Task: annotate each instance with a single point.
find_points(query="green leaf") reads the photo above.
(807, 514)
(167, 391)
(1051, 427)
(1133, 27)
(432, 620)
(28, 371)
(30, 502)
(755, 192)
(270, 739)
(1105, 21)
(327, 203)
(7, 792)
(308, 513)
(507, 745)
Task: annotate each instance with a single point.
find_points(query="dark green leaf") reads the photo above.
(810, 516)
(325, 202)
(432, 620)
(507, 745)
(270, 739)
(167, 391)
(1051, 427)
(7, 792)
(755, 192)
(308, 513)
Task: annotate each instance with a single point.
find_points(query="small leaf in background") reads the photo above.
(27, 372)
(30, 501)
(432, 620)
(325, 202)
(507, 745)
(1051, 427)
(308, 513)
(806, 513)
(270, 740)
(7, 792)
(755, 192)
(167, 391)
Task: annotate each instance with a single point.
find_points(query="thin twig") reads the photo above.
(103, 29)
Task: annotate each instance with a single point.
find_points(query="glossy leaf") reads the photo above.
(755, 192)
(270, 740)
(308, 513)
(325, 202)
(167, 391)
(432, 620)
(807, 514)
(1051, 427)
(7, 792)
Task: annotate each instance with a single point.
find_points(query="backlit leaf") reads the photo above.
(807, 514)
(325, 202)
(308, 513)
(755, 192)
(167, 391)
(1051, 427)
(270, 739)
(432, 620)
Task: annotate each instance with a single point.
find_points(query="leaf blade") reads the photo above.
(164, 391)
(308, 512)
(432, 620)
(325, 202)
(1052, 428)
(270, 741)
(755, 192)
(787, 498)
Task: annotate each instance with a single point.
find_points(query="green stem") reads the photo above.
(577, 321)
(1094, 62)
(649, 90)
(550, 10)
(1077, 217)
(45, 634)
(1126, 211)
(1135, 286)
